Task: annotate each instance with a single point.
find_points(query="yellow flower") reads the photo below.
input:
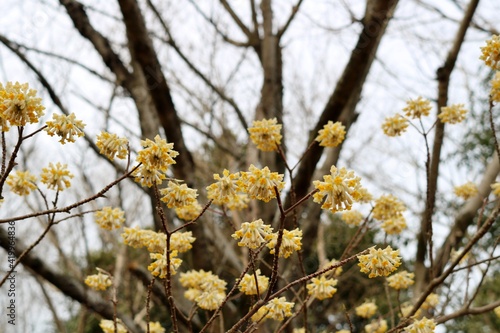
(466, 191)
(111, 145)
(155, 327)
(205, 288)
(388, 207)
(265, 134)
(248, 285)
(376, 326)
(423, 325)
(336, 271)
(175, 195)
(19, 104)
(416, 108)
(406, 308)
(366, 310)
(394, 226)
(98, 281)
(159, 266)
(253, 234)
(279, 308)
(189, 212)
(340, 188)
(495, 88)
(210, 300)
(260, 183)
(132, 237)
(260, 314)
(181, 241)
(108, 326)
(331, 135)
(401, 280)
(364, 196)
(490, 53)
(225, 189)
(379, 262)
(109, 218)
(239, 202)
(452, 114)
(299, 330)
(495, 188)
(65, 127)
(497, 311)
(395, 126)
(431, 301)
(290, 242)
(56, 177)
(352, 217)
(155, 242)
(322, 288)
(21, 182)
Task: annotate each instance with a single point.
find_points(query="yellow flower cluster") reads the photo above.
(155, 327)
(290, 242)
(98, 281)
(466, 191)
(495, 88)
(227, 188)
(155, 157)
(65, 127)
(56, 177)
(390, 210)
(377, 326)
(277, 309)
(379, 262)
(266, 134)
(110, 218)
(157, 242)
(352, 217)
(111, 145)
(394, 226)
(331, 135)
(452, 114)
(395, 126)
(322, 287)
(189, 212)
(159, 266)
(431, 301)
(495, 189)
(204, 288)
(423, 325)
(21, 182)
(490, 53)
(401, 280)
(108, 326)
(248, 285)
(253, 234)
(176, 196)
(340, 187)
(19, 105)
(260, 183)
(497, 311)
(417, 108)
(366, 310)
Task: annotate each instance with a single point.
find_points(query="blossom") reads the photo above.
(490, 53)
(260, 183)
(379, 262)
(416, 108)
(181, 241)
(466, 191)
(395, 126)
(299, 330)
(497, 311)
(423, 325)
(279, 308)
(19, 105)
(376, 326)
(340, 188)
(253, 234)
(331, 135)
(431, 301)
(148, 177)
(132, 237)
(249, 287)
(290, 242)
(366, 310)
(336, 271)
(98, 281)
(159, 266)
(401, 280)
(205, 288)
(155, 327)
(394, 226)
(65, 127)
(452, 114)
(239, 202)
(109, 218)
(265, 134)
(210, 300)
(495, 188)
(155, 242)
(108, 326)
(57, 176)
(322, 288)
(225, 189)
(260, 314)
(175, 195)
(352, 217)
(495, 88)
(21, 182)
(406, 308)
(364, 196)
(388, 207)
(189, 212)
(111, 145)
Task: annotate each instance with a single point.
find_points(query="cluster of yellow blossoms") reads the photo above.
(99, 281)
(252, 284)
(466, 191)
(265, 134)
(331, 135)
(204, 288)
(66, 127)
(19, 105)
(108, 326)
(366, 310)
(401, 280)
(389, 210)
(110, 218)
(379, 262)
(56, 177)
(276, 308)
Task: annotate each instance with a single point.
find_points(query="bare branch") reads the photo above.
(295, 10)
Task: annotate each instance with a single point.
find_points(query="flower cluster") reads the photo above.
(159, 266)
(260, 183)
(395, 126)
(157, 242)
(366, 310)
(452, 114)
(19, 105)
(390, 210)
(98, 281)
(495, 88)
(379, 262)
(21, 182)
(249, 286)
(227, 188)
(204, 288)
(108, 326)
(322, 287)
(423, 325)
(111, 145)
(495, 189)
(65, 127)
(265, 134)
(466, 191)
(176, 196)
(417, 108)
(377, 326)
(401, 280)
(340, 187)
(331, 135)
(490, 53)
(253, 234)
(277, 309)
(290, 242)
(110, 218)
(352, 217)
(189, 212)
(56, 177)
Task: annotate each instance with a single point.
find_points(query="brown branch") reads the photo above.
(236, 19)
(295, 10)
(468, 311)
